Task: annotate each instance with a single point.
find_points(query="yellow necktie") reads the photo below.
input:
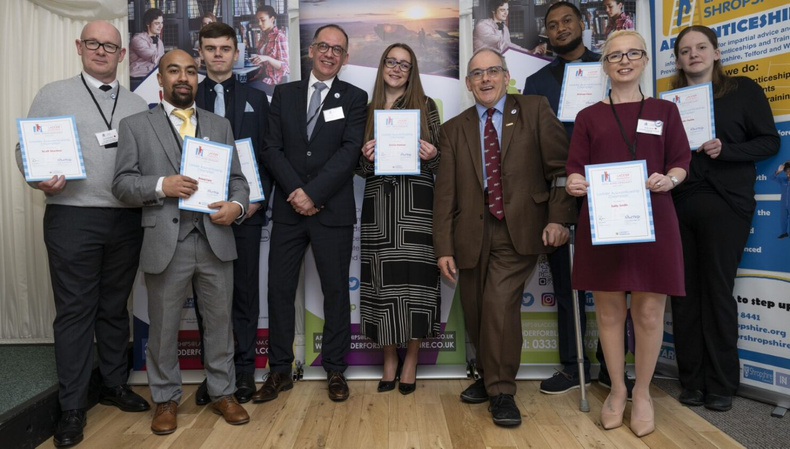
(186, 128)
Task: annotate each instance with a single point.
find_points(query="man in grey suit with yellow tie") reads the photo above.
(180, 245)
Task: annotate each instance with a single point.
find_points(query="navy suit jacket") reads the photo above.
(247, 124)
(322, 165)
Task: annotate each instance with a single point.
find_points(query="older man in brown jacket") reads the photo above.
(499, 203)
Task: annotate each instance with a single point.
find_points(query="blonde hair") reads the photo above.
(621, 33)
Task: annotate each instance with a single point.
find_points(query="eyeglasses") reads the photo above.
(632, 55)
(392, 62)
(91, 44)
(323, 47)
(492, 72)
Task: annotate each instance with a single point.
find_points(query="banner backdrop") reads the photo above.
(754, 42)
(431, 30)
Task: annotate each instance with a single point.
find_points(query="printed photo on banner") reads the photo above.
(157, 26)
(429, 27)
(517, 29)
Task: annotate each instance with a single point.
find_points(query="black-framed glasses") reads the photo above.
(323, 47)
(91, 44)
(632, 55)
(493, 72)
(405, 66)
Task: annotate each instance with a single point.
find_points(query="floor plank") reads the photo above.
(433, 417)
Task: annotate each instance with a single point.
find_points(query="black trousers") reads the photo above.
(559, 263)
(706, 320)
(93, 258)
(332, 250)
(246, 297)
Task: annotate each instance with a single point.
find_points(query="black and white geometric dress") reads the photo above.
(399, 285)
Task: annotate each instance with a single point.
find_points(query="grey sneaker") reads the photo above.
(561, 382)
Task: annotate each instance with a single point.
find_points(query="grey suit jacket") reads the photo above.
(148, 150)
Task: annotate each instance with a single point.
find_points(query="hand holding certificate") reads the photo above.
(584, 85)
(397, 142)
(695, 104)
(209, 164)
(50, 146)
(619, 203)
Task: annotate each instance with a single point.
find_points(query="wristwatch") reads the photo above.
(674, 180)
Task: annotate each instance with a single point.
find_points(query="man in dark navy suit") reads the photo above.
(247, 110)
(311, 148)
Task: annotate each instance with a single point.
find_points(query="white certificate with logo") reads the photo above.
(584, 85)
(249, 166)
(695, 104)
(50, 146)
(208, 163)
(619, 203)
(397, 142)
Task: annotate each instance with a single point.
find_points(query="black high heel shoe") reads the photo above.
(405, 388)
(389, 385)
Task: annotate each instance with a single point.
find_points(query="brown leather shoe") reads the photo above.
(165, 421)
(337, 385)
(230, 409)
(274, 384)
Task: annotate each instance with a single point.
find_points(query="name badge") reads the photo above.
(333, 114)
(655, 127)
(107, 137)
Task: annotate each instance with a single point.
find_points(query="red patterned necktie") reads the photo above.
(493, 168)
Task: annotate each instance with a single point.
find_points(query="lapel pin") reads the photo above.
(337, 95)
(206, 138)
(513, 111)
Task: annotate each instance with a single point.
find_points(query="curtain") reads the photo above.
(38, 48)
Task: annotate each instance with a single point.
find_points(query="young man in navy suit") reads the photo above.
(247, 110)
(311, 147)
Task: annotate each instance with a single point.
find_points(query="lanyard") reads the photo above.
(631, 146)
(108, 123)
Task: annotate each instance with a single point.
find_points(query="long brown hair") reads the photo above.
(412, 98)
(722, 83)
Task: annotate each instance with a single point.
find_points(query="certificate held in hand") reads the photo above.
(695, 104)
(209, 164)
(397, 142)
(619, 203)
(50, 146)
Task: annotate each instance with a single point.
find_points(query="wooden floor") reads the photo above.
(432, 417)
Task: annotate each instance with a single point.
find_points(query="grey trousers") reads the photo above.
(166, 292)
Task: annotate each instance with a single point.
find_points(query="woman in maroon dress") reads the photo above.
(614, 130)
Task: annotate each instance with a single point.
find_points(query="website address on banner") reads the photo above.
(764, 341)
(764, 330)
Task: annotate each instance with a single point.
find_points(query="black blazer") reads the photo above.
(323, 165)
(250, 124)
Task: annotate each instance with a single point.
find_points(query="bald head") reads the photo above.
(178, 78)
(100, 63)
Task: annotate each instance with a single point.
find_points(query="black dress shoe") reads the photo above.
(245, 387)
(337, 386)
(717, 402)
(692, 398)
(504, 410)
(201, 395)
(475, 393)
(272, 386)
(124, 398)
(68, 431)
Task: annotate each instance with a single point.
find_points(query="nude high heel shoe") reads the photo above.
(610, 419)
(642, 427)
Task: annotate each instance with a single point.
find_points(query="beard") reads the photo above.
(570, 46)
(181, 100)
